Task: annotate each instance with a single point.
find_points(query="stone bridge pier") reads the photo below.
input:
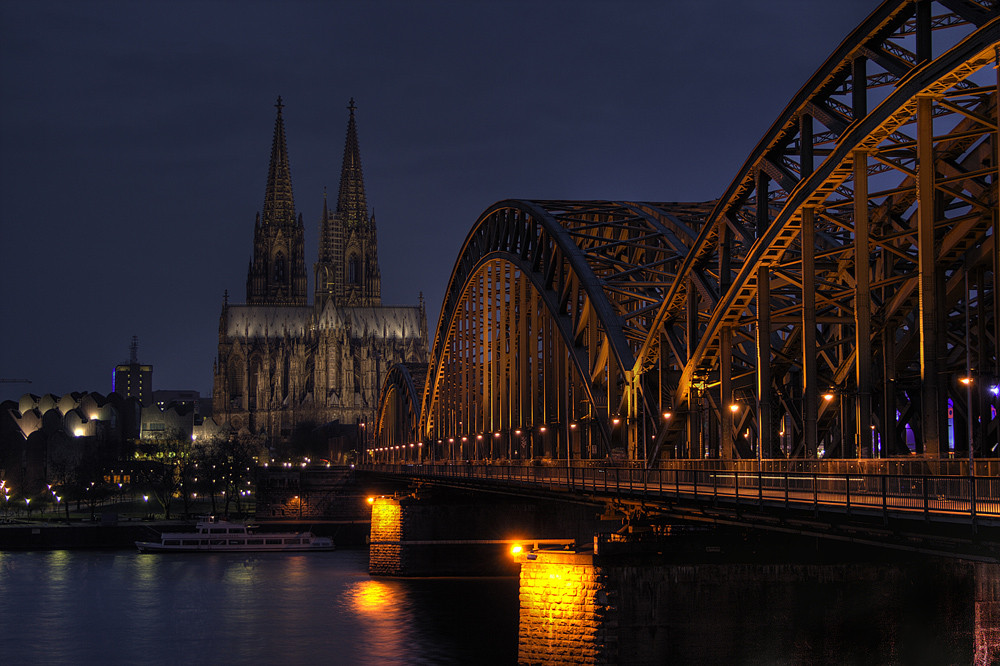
(585, 608)
(461, 534)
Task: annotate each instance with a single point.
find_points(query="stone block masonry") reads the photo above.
(385, 555)
(461, 534)
(565, 610)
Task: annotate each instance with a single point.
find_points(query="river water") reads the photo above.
(121, 607)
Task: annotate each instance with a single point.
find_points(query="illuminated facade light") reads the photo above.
(667, 415)
(966, 380)
(828, 397)
(734, 408)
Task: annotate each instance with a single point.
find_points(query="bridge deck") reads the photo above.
(961, 510)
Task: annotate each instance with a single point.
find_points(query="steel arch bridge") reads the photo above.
(838, 300)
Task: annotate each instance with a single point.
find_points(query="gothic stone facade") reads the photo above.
(283, 363)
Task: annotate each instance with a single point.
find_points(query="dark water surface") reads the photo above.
(121, 607)
(85, 607)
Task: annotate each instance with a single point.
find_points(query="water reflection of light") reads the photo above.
(371, 596)
(388, 627)
(296, 569)
(145, 571)
(58, 563)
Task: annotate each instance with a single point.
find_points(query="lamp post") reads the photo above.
(729, 430)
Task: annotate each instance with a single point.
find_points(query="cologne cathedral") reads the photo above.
(284, 364)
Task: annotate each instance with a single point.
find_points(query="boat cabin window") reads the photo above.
(236, 542)
(236, 530)
(293, 540)
(218, 530)
(272, 542)
(189, 542)
(171, 542)
(255, 542)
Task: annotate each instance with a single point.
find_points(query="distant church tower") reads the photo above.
(347, 272)
(277, 273)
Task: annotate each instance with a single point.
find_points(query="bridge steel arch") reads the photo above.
(828, 304)
(546, 307)
(851, 265)
(396, 435)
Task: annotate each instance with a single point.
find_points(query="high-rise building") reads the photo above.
(134, 379)
(284, 364)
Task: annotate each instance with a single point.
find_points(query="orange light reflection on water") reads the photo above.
(386, 608)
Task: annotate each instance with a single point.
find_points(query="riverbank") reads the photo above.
(115, 534)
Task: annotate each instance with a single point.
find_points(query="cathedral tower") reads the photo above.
(347, 272)
(277, 273)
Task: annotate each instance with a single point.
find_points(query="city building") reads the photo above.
(50, 436)
(284, 365)
(134, 379)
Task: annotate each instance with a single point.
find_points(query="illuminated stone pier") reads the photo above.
(564, 607)
(581, 608)
(460, 534)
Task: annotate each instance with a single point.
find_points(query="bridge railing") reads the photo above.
(932, 496)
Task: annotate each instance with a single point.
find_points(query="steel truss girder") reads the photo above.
(600, 262)
(725, 237)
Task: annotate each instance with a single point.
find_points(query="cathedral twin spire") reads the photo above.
(279, 204)
(347, 270)
(352, 207)
(277, 274)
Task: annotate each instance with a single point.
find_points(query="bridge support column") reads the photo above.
(765, 430)
(765, 434)
(726, 402)
(862, 306)
(930, 402)
(694, 449)
(810, 391)
(996, 251)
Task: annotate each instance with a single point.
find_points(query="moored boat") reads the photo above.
(213, 535)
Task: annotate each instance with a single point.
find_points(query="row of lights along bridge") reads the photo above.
(379, 454)
(390, 453)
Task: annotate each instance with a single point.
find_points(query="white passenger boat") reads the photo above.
(213, 535)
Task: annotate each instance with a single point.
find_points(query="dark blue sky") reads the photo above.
(135, 136)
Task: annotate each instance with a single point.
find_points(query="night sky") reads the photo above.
(135, 137)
